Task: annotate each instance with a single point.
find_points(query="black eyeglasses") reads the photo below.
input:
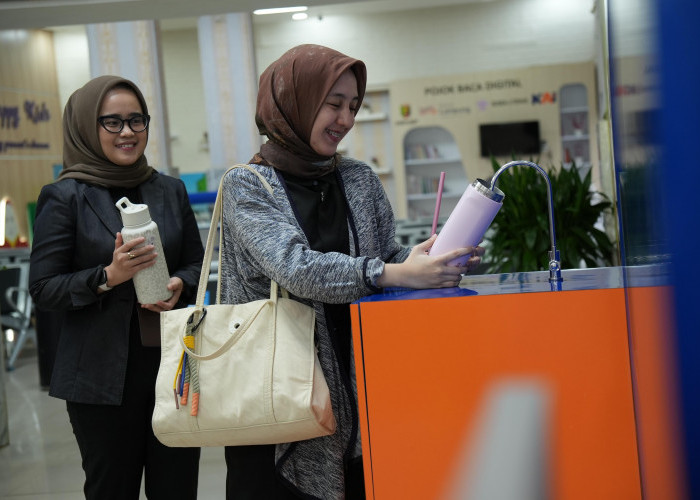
(114, 124)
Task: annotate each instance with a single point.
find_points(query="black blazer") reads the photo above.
(74, 232)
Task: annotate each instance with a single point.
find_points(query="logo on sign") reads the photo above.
(544, 98)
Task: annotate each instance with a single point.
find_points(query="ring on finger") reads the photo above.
(131, 255)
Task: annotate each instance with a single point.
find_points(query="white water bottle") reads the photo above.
(469, 220)
(151, 283)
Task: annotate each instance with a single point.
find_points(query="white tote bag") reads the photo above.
(239, 374)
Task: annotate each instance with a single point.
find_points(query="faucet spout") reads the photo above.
(554, 260)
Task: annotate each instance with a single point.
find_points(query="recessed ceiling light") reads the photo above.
(300, 16)
(280, 10)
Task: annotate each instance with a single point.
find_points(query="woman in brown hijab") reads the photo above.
(105, 367)
(326, 234)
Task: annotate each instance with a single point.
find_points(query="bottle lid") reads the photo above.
(483, 187)
(133, 214)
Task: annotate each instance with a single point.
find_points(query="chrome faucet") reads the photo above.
(554, 261)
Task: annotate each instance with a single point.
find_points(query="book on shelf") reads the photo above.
(422, 152)
(421, 184)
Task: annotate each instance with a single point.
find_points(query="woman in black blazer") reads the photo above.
(80, 265)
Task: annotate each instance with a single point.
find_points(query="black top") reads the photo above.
(321, 209)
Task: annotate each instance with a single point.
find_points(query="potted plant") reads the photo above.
(519, 240)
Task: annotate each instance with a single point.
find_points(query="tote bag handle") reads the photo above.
(240, 330)
(216, 220)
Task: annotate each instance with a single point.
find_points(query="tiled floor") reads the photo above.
(42, 460)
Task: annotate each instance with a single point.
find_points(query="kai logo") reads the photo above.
(544, 98)
(405, 110)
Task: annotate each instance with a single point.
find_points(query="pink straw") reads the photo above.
(437, 202)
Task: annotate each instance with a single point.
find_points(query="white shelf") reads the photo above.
(574, 113)
(574, 137)
(432, 161)
(574, 109)
(427, 151)
(381, 171)
(370, 117)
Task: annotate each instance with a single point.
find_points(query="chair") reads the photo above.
(16, 308)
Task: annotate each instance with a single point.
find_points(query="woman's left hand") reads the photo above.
(175, 285)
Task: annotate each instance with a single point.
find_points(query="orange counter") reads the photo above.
(468, 394)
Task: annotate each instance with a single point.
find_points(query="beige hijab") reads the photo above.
(291, 92)
(83, 158)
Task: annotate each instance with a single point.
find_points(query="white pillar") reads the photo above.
(230, 90)
(132, 50)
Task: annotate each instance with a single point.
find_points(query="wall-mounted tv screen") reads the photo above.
(507, 139)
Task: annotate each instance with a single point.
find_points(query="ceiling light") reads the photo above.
(300, 16)
(280, 10)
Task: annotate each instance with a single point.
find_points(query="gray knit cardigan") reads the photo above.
(261, 239)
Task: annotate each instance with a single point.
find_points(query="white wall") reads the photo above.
(473, 37)
(184, 95)
(72, 60)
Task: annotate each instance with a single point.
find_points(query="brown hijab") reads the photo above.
(291, 92)
(83, 158)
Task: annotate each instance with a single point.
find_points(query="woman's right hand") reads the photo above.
(127, 260)
(421, 270)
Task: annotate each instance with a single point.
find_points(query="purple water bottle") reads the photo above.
(468, 222)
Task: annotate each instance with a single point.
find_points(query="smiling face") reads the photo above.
(336, 116)
(126, 147)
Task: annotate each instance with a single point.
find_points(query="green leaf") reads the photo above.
(530, 237)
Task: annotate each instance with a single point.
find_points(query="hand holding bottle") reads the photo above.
(421, 270)
(123, 266)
